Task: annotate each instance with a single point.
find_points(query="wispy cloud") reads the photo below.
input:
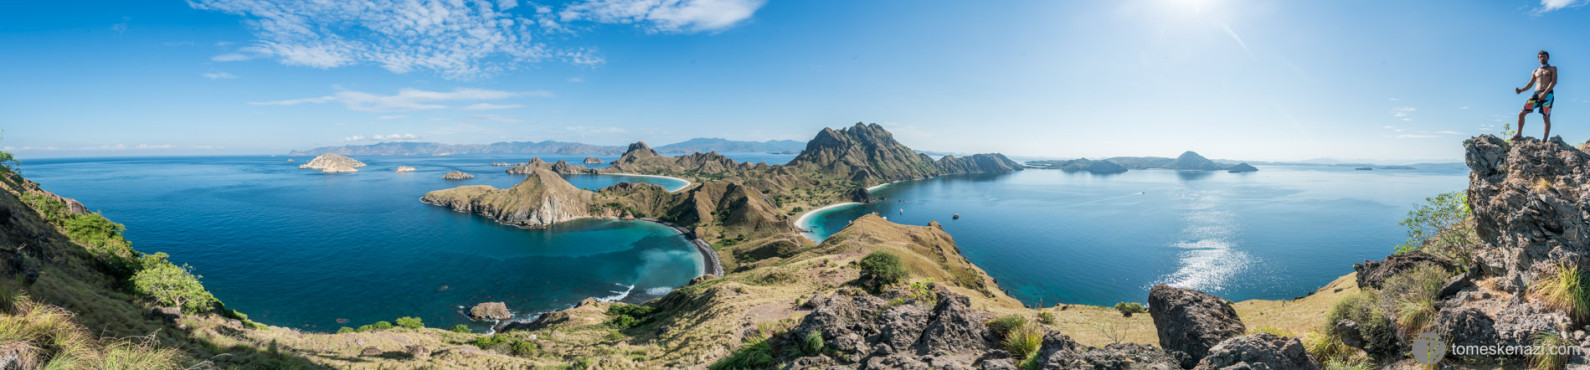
(459, 39)
(666, 16)
(406, 99)
(1414, 136)
(219, 76)
(1403, 112)
(1550, 5)
(495, 118)
(576, 79)
(231, 57)
(1449, 132)
(391, 137)
(489, 106)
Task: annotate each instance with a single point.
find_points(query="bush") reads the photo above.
(883, 268)
(345, 330)
(364, 328)
(461, 328)
(171, 285)
(523, 348)
(814, 343)
(1325, 346)
(1565, 290)
(381, 325)
(1024, 341)
(631, 310)
(491, 341)
(1548, 357)
(623, 322)
(1003, 325)
(756, 355)
(1128, 308)
(1363, 308)
(1046, 317)
(1441, 227)
(410, 322)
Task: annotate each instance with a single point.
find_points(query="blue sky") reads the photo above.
(1237, 79)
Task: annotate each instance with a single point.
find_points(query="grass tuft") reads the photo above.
(1565, 290)
(1024, 341)
(1547, 358)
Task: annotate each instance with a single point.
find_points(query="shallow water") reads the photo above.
(299, 248)
(1055, 237)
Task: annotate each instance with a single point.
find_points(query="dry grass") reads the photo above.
(1299, 315)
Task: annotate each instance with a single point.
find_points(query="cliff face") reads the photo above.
(863, 153)
(1531, 204)
(541, 199)
(332, 163)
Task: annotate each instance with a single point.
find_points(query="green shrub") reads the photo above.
(491, 342)
(1551, 356)
(1269, 329)
(345, 330)
(381, 325)
(1441, 227)
(623, 322)
(631, 309)
(755, 355)
(92, 229)
(1325, 346)
(461, 328)
(1565, 290)
(410, 322)
(814, 343)
(1348, 364)
(1363, 308)
(1024, 341)
(1046, 317)
(523, 348)
(1003, 325)
(171, 285)
(883, 268)
(1127, 308)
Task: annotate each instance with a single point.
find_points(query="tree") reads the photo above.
(1440, 226)
(883, 268)
(172, 285)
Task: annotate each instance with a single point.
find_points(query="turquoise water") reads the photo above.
(303, 249)
(1053, 237)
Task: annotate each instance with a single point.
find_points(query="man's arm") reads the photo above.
(1553, 83)
(1526, 87)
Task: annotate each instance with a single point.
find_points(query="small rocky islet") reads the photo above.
(332, 163)
(457, 175)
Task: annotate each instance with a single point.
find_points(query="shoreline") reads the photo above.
(681, 187)
(800, 222)
(709, 258)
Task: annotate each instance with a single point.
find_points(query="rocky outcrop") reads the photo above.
(1190, 322)
(1465, 326)
(542, 199)
(497, 311)
(1057, 354)
(592, 160)
(1529, 203)
(1242, 167)
(404, 169)
(561, 168)
(865, 329)
(977, 163)
(863, 153)
(332, 163)
(1371, 274)
(641, 159)
(457, 175)
(1191, 161)
(1258, 351)
(860, 195)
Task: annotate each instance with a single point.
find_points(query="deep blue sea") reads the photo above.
(303, 249)
(1055, 237)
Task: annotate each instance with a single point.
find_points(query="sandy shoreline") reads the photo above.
(682, 187)
(800, 223)
(709, 257)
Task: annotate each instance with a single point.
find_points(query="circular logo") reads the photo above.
(1428, 349)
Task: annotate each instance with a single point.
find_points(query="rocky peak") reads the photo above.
(1192, 161)
(639, 150)
(1528, 199)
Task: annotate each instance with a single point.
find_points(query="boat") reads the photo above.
(957, 217)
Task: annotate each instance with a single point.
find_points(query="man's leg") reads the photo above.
(1520, 133)
(1547, 117)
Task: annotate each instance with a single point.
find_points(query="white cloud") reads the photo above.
(489, 106)
(1238, 38)
(230, 57)
(406, 99)
(666, 16)
(1401, 112)
(1550, 5)
(354, 138)
(460, 39)
(1449, 132)
(218, 75)
(120, 27)
(390, 137)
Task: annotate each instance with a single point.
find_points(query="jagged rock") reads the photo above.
(1058, 351)
(1453, 285)
(172, 316)
(901, 326)
(457, 175)
(1465, 326)
(701, 279)
(541, 199)
(1258, 352)
(955, 326)
(370, 352)
(860, 195)
(418, 352)
(1521, 320)
(1242, 167)
(1528, 204)
(1349, 332)
(1190, 321)
(1133, 356)
(332, 163)
(999, 364)
(490, 311)
(865, 329)
(1373, 273)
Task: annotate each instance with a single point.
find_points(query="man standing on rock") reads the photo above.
(1544, 79)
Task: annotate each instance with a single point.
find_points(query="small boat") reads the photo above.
(902, 211)
(957, 216)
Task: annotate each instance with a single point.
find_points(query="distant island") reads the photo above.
(696, 145)
(333, 163)
(1188, 161)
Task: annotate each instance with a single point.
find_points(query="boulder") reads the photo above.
(1258, 351)
(490, 311)
(1466, 326)
(1191, 322)
(1528, 206)
(1521, 321)
(370, 352)
(417, 352)
(955, 326)
(1123, 356)
(860, 195)
(1371, 274)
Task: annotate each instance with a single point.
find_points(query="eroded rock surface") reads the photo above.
(1531, 204)
(1258, 351)
(1191, 322)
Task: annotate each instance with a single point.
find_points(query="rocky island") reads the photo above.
(457, 175)
(592, 160)
(1242, 167)
(1082, 165)
(404, 169)
(332, 163)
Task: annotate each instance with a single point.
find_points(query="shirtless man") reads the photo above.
(1543, 79)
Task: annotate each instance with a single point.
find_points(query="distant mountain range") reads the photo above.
(697, 145)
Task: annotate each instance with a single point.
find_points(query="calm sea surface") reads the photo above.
(1053, 237)
(299, 248)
